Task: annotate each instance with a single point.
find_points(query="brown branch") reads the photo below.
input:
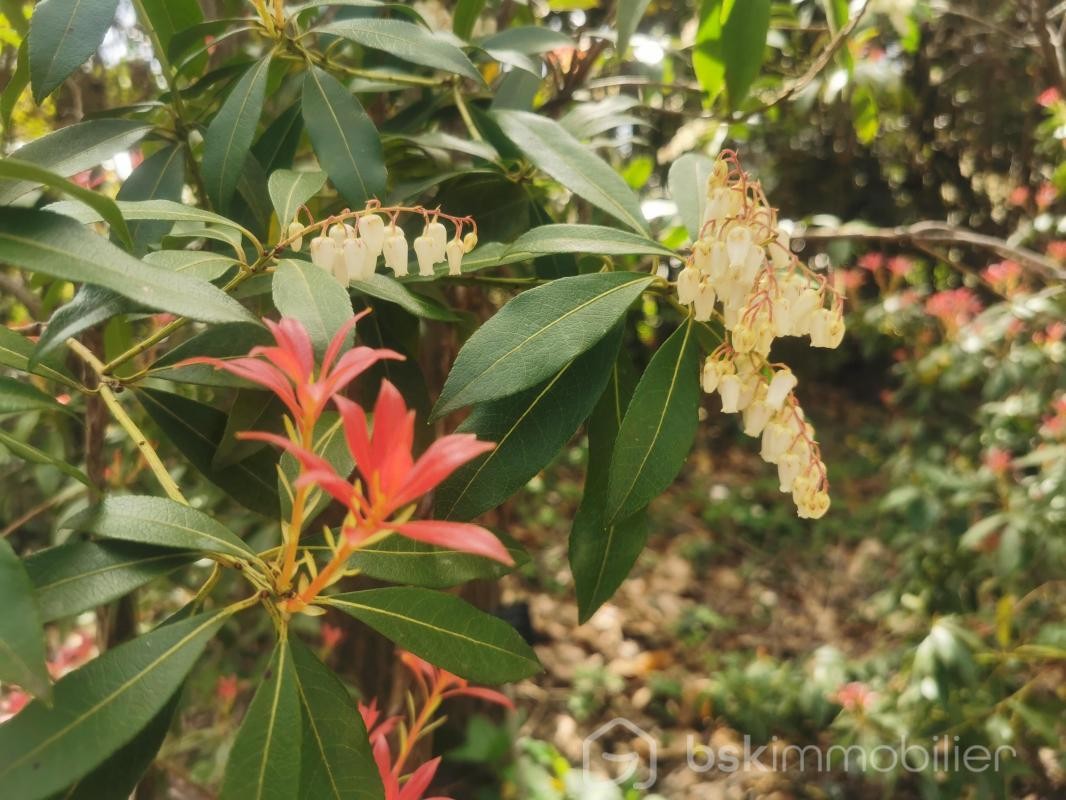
(1050, 51)
(923, 234)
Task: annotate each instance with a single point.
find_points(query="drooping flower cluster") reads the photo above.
(435, 685)
(742, 270)
(380, 501)
(350, 252)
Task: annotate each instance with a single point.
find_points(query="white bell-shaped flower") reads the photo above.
(743, 337)
(775, 440)
(789, 468)
(719, 262)
(396, 251)
(713, 370)
(803, 311)
(756, 416)
(738, 243)
(355, 259)
(322, 251)
(704, 301)
(372, 232)
(438, 235)
(701, 256)
(827, 328)
(339, 233)
(688, 284)
(340, 266)
(729, 388)
(781, 250)
(294, 233)
(425, 253)
(782, 383)
(454, 250)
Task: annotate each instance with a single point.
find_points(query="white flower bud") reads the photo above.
(712, 374)
(775, 441)
(782, 316)
(719, 262)
(827, 328)
(295, 229)
(704, 300)
(340, 266)
(781, 385)
(338, 233)
(788, 471)
(749, 389)
(395, 250)
(372, 232)
(803, 310)
(438, 235)
(756, 417)
(469, 242)
(729, 388)
(454, 250)
(701, 256)
(718, 205)
(743, 337)
(425, 252)
(688, 284)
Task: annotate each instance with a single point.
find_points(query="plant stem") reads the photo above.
(464, 112)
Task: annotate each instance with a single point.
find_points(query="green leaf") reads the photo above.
(16, 352)
(730, 46)
(658, 429)
(17, 397)
(58, 246)
(397, 559)
(135, 211)
(313, 296)
(865, 116)
(161, 522)
(230, 135)
(91, 306)
(343, 137)
(335, 759)
(161, 176)
(537, 334)
(219, 341)
(16, 84)
(77, 576)
(587, 240)
(554, 150)
(628, 17)
(28, 452)
(688, 188)
(169, 17)
(277, 145)
(73, 149)
(264, 763)
(601, 555)
(406, 41)
(387, 288)
(443, 630)
(196, 430)
(530, 39)
(104, 205)
(200, 264)
(63, 34)
(465, 17)
(252, 410)
(21, 633)
(99, 708)
(117, 776)
(289, 190)
(529, 429)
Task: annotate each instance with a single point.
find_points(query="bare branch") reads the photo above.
(922, 234)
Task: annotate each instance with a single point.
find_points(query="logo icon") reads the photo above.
(624, 766)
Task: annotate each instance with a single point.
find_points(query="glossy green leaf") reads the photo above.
(161, 522)
(688, 188)
(587, 240)
(74, 148)
(58, 246)
(17, 397)
(28, 452)
(344, 138)
(465, 17)
(391, 290)
(529, 429)
(277, 145)
(397, 559)
(161, 176)
(169, 17)
(219, 341)
(551, 148)
(730, 46)
(76, 576)
(252, 410)
(530, 39)
(16, 351)
(537, 334)
(289, 190)
(231, 133)
(335, 760)
(168, 210)
(406, 41)
(196, 430)
(14, 169)
(99, 708)
(658, 428)
(264, 763)
(628, 17)
(444, 630)
(200, 264)
(63, 35)
(315, 298)
(601, 555)
(21, 634)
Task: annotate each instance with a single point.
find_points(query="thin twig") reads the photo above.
(934, 233)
